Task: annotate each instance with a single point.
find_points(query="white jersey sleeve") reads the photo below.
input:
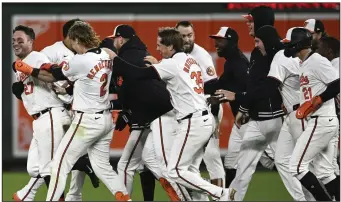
(51, 54)
(205, 62)
(73, 70)
(325, 72)
(167, 69)
(277, 69)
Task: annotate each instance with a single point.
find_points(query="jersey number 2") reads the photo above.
(307, 93)
(198, 80)
(28, 88)
(104, 79)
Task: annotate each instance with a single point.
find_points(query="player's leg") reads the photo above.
(131, 157)
(28, 192)
(147, 180)
(212, 158)
(76, 186)
(164, 132)
(230, 160)
(251, 149)
(73, 145)
(99, 158)
(268, 158)
(284, 148)
(317, 135)
(192, 135)
(324, 169)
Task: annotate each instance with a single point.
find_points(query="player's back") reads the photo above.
(37, 95)
(59, 54)
(91, 72)
(205, 62)
(316, 72)
(187, 87)
(286, 70)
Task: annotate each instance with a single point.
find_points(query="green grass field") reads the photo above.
(265, 186)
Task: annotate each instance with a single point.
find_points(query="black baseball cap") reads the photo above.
(226, 33)
(125, 31)
(314, 25)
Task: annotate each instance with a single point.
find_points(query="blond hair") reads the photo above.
(85, 34)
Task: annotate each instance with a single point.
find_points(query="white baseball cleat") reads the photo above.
(227, 195)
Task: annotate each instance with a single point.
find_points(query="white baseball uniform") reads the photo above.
(42, 103)
(316, 72)
(59, 54)
(92, 127)
(183, 77)
(336, 64)
(212, 157)
(286, 71)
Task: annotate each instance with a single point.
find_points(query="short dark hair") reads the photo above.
(332, 43)
(68, 25)
(28, 31)
(184, 24)
(170, 36)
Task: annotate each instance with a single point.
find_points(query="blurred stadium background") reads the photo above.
(47, 20)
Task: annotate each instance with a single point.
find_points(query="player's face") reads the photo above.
(165, 51)
(259, 44)
(251, 26)
(324, 51)
(187, 34)
(80, 49)
(220, 45)
(22, 44)
(118, 43)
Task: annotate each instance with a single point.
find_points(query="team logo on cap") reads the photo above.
(210, 71)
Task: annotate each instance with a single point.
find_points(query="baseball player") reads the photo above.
(329, 47)
(40, 101)
(316, 27)
(211, 158)
(92, 127)
(319, 83)
(195, 124)
(60, 53)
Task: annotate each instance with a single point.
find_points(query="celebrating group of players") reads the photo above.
(284, 101)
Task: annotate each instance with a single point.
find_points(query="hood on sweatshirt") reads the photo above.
(271, 40)
(262, 15)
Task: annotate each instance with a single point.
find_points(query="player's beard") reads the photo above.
(188, 47)
(315, 44)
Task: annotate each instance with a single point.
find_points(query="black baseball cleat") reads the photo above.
(94, 179)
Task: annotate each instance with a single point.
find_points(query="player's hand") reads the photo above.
(308, 107)
(241, 119)
(59, 90)
(122, 120)
(23, 67)
(151, 59)
(226, 95)
(214, 100)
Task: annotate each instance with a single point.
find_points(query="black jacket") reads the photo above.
(147, 99)
(233, 78)
(263, 100)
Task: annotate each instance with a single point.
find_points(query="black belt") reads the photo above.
(100, 112)
(37, 115)
(191, 114)
(295, 107)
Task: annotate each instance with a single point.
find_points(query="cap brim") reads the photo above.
(111, 36)
(285, 41)
(248, 17)
(217, 37)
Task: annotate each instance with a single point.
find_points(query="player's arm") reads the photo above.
(54, 74)
(333, 89)
(128, 70)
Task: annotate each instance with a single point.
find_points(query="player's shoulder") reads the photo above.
(198, 50)
(35, 55)
(54, 47)
(316, 59)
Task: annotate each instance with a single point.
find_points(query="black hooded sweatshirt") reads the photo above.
(268, 106)
(147, 99)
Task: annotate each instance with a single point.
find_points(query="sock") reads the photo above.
(47, 182)
(310, 182)
(230, 175)
(148, 185)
